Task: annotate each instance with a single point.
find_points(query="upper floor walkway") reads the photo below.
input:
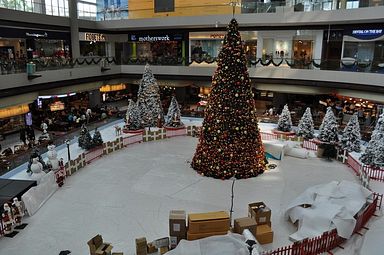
(350, 75)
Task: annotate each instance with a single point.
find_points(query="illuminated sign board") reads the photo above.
(57, 106)
(92, 37)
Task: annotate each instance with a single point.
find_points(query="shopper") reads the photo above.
(23, 137)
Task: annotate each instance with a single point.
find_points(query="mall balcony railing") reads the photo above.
(45, 64)
(52, 63)
(330, 5)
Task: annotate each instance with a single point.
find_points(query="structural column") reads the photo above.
(74, 23)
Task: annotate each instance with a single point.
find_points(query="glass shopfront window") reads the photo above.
(205, 46)
(48, 7)
(158, 49)
(363, 49)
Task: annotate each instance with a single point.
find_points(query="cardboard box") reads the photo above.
(208, 222)
(177, 223)
(151, 248)
(162, 242)
(245, 223)
(141, 246)
(163, 250)
(260, 212)
(98, 247)
(191, 237)
(175, 240)
(104, 249)
(264, 234)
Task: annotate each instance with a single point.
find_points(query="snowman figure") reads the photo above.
(45, 135)
(18, 213)
(7, 219)
(52, 162)
(37, 170)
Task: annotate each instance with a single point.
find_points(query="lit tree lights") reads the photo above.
(230, 142)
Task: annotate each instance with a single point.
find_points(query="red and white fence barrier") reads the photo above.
(374, 173)
(132, 139)
(93, 154)
(310, 145)
(171, 132)
(269, 136)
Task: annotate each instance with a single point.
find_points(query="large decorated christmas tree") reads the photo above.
(149, 102)
(230, 143)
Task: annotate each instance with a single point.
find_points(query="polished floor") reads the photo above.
(129, 194)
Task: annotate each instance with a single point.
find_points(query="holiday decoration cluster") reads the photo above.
(230, 144)
(173, 118)
(87, 142)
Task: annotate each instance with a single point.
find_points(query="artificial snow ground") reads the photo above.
(129, 194)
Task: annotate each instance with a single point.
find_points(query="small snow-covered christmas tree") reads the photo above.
(328, 128)
(87, 142)
(149, 102)
(370, 153)
(97, 140)
(350, 140)
(379, 156)
(173, 116)
(305, 128)
(285, 123)
(132, 118)
(80, 140)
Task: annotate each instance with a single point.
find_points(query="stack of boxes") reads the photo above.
(141, 246)
(98, 247)
(201, 225)
(177, 227)
(262, 215)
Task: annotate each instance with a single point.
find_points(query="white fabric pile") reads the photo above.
(332, 205)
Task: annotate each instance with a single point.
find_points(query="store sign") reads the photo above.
(57, 106)
(36, 34)
(94, 37)
(217, 36)
(367, 34)
(155, 38)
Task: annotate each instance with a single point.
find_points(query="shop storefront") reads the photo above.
(92, 44)
(21, 44)
(153, 47)
(205, 46)
(298, 46)
(364, 48)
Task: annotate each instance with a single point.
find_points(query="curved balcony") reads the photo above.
(349, 74)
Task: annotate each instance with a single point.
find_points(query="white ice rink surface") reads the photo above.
(129, 194)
